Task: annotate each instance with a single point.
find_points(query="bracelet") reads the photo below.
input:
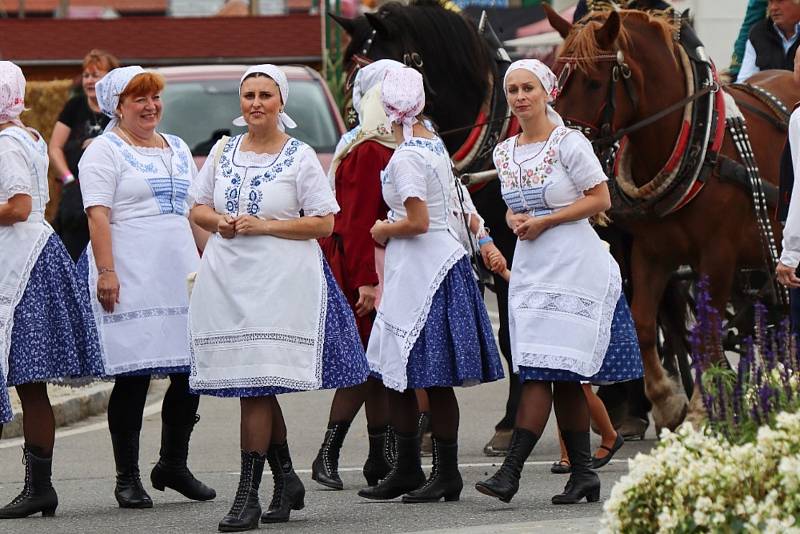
(67, 178)
(486, 239)
(104, 270)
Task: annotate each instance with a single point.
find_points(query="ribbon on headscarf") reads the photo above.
(277, 75)
(403, 98)
(546, 77)
(372, 121)
(110, 87)
(12, 93)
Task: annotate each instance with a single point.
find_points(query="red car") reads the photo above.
(201, 101)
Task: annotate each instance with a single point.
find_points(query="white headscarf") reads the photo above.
(110, 87)
(547, 79)
(12, 93)
(403, 97)
(368, 77)
(277, 75)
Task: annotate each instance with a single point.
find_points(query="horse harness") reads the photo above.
(696, 154)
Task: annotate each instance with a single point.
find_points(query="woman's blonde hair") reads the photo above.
(101, 60)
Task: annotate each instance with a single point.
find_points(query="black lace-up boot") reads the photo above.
(325, 468)
(505, 483)
(583, 481)
(246, 509)
(445, 480)
(381, 455)
(406, 474)
(288, 493)
(38, 494)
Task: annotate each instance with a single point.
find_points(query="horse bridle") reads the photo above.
(603, 134)
(361, 60)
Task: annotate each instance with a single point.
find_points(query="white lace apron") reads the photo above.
(154, 251)
(21, 243)
(259, 304)
(564, 284)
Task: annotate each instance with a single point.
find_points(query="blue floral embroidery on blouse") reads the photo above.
(147, 168)
(253, 197)
(434, 145)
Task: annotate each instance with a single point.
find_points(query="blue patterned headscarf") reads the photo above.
(110, 87)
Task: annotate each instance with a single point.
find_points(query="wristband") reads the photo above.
(67, 178)
(104, 270)
(486, 239)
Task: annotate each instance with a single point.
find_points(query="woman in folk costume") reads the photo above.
(46, 326)
(565, 286)
(360, 156)
(432, 331)
(134, 183)
(266, 314)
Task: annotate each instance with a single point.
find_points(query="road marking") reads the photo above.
(149, 410)
(428, 466)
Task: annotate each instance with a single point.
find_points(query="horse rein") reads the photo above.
(605, 135)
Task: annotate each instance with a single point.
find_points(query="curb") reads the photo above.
(69, 410)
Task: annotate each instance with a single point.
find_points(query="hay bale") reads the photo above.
(44, 101)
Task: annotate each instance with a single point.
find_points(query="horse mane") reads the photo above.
(582, 46)
(433, 30)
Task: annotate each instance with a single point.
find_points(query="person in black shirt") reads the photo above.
(80, 122)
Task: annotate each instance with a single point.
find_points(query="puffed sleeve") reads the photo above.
(202, 190)
(408, 170)
(15, 176)
(314, 192)
(580, 162)
(98, 171)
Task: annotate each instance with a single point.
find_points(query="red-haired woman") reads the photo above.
(135, 183)
(78, 124)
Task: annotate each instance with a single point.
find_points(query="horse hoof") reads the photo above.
(670, 412)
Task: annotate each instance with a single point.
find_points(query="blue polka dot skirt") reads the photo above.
(6, 414)
(456, 346)
(343, 361)
(622, 362)
(54, 334)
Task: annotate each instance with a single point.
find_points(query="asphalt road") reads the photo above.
(83, 473)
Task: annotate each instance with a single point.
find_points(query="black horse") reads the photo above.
(463, 72)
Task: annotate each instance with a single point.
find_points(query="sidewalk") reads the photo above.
(583, 525)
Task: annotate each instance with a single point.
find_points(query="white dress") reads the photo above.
(564, 284)
(415, 267)
(23, 170)
(153, 247)
(261, 304)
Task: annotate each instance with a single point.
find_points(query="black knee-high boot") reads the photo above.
(445, 481)
(381, 455)
(325, 468)
(505, 483)
(129, 490)
(583, 481)
(38, 494)
(171, 470)
(405, 476)
(246, 509)
(288, 493)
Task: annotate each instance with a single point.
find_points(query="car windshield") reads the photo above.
(200, 112)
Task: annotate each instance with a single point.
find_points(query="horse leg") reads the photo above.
(649, 281)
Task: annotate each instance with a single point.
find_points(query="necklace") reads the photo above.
(130, 141)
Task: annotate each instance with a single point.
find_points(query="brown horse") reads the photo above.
(716, 232)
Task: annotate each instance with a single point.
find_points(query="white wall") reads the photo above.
(717, 24)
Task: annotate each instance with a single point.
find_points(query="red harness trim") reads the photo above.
(472, 138)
